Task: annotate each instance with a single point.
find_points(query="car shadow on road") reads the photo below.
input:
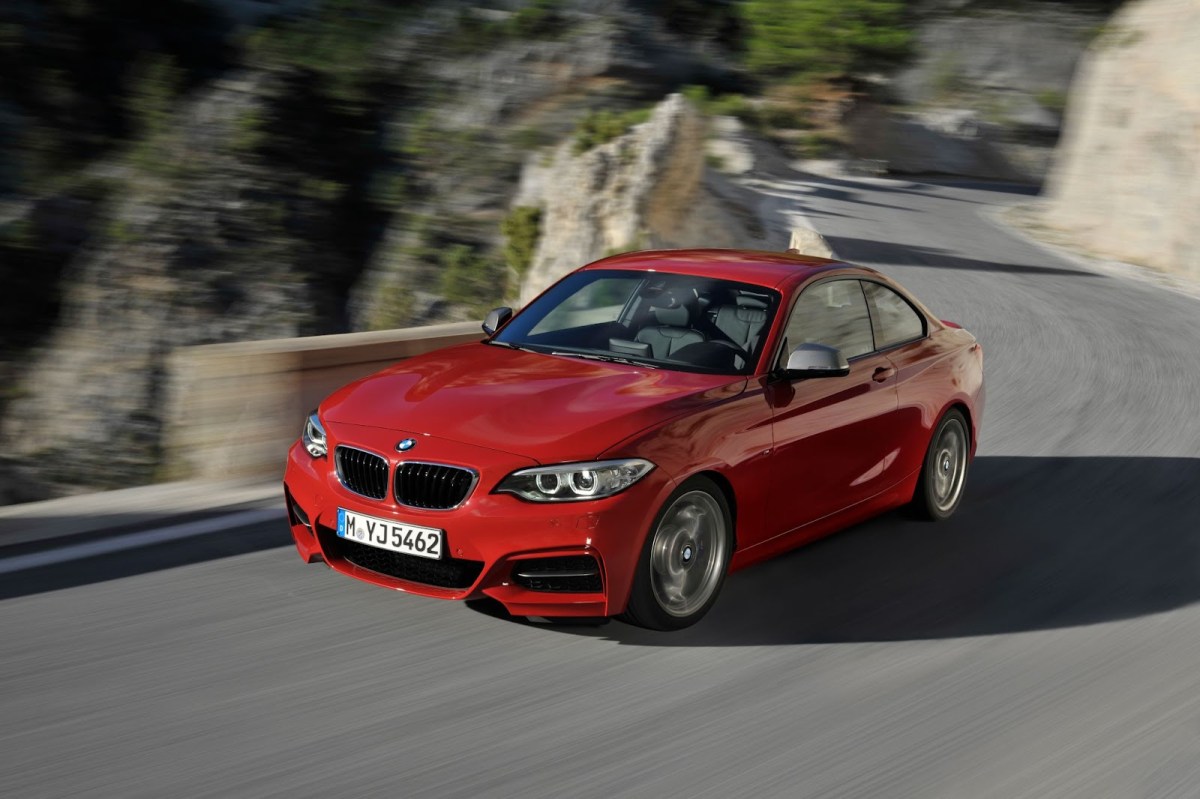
(1038, 543)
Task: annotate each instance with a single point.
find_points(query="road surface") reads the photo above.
(1045, 642)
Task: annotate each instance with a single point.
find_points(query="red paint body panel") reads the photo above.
(799, 459)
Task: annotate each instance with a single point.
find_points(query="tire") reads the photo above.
(684, 559)
(944, 472)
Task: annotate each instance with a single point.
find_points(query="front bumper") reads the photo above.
(489, 540)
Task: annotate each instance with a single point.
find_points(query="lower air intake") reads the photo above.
(579, 574)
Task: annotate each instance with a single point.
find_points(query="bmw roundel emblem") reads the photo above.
(406, 445)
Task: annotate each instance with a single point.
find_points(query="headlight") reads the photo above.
(573, 482)
(313, 436)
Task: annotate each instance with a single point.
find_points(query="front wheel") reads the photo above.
(685, 558)
(944, 473)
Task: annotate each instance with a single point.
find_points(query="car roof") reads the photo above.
(759, 267)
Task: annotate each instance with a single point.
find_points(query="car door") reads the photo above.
(833, 445)
(902, 332)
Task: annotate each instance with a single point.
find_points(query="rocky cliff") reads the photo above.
(499, 112)
(646, 189)
(983, 95)
(209, 258)
(1127, 179)
(350, 173)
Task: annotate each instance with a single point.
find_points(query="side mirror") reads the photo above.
(816, 360)
(496, 319)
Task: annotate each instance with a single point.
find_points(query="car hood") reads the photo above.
(544, 407)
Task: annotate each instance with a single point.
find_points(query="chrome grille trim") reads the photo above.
(365, 473)
(432, 486)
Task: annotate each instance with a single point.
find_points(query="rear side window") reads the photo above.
(895, 320)
(832, 313)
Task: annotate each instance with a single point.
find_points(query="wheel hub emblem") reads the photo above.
(406, 445)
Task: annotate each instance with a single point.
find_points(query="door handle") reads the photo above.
(883, 373)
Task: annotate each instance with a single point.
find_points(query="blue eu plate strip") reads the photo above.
(341, 522)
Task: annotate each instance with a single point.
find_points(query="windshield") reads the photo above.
(656, 319)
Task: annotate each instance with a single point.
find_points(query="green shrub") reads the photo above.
(947, 79)
(336, 43)
(698, 95)
(521, 228)
(249, 131)
(154, 86)
(729, 105)
(388, 190)
(603, 126)
(828, 38)
(18, 235)
(469, 277)
(816, 145)
(539, 19)
(1052, 100)
(321, 190)
(531, 138)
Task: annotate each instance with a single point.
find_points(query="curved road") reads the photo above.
(1045, 642)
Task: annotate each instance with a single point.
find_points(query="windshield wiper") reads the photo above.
(606, 358)
(512, 346)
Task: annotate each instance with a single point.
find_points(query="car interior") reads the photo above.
(713, 326)
(706, 324)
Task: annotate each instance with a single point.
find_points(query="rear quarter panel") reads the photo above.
(934, 374)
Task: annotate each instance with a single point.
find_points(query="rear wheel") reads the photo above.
(944, 473)
(685, 558)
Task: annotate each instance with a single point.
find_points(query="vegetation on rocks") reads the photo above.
(825, 38)
(600, 127)
(521, 229)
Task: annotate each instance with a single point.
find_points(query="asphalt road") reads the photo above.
(1045, 642)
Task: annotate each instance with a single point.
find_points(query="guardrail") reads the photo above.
(233, 409)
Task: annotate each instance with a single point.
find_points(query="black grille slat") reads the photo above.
(432, 486)
(563, 574)
(362, 472)
(454, 573)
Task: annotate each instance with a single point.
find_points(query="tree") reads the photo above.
(824, 38)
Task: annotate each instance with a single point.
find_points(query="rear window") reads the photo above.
(896, 321)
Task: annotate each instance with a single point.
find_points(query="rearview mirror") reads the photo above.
(496, 319)
(816, 360)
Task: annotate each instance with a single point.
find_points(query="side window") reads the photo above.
(833, 313)
(895, 320)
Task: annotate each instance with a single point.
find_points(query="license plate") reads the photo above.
(389, 534)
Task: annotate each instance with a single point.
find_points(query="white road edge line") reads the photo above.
(119, 543)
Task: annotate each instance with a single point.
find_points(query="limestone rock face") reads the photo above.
(1127, 178)
(646, 189)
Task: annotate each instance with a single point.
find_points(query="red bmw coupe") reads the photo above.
(651, 422)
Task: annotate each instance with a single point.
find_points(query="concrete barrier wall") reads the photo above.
(234, 409)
